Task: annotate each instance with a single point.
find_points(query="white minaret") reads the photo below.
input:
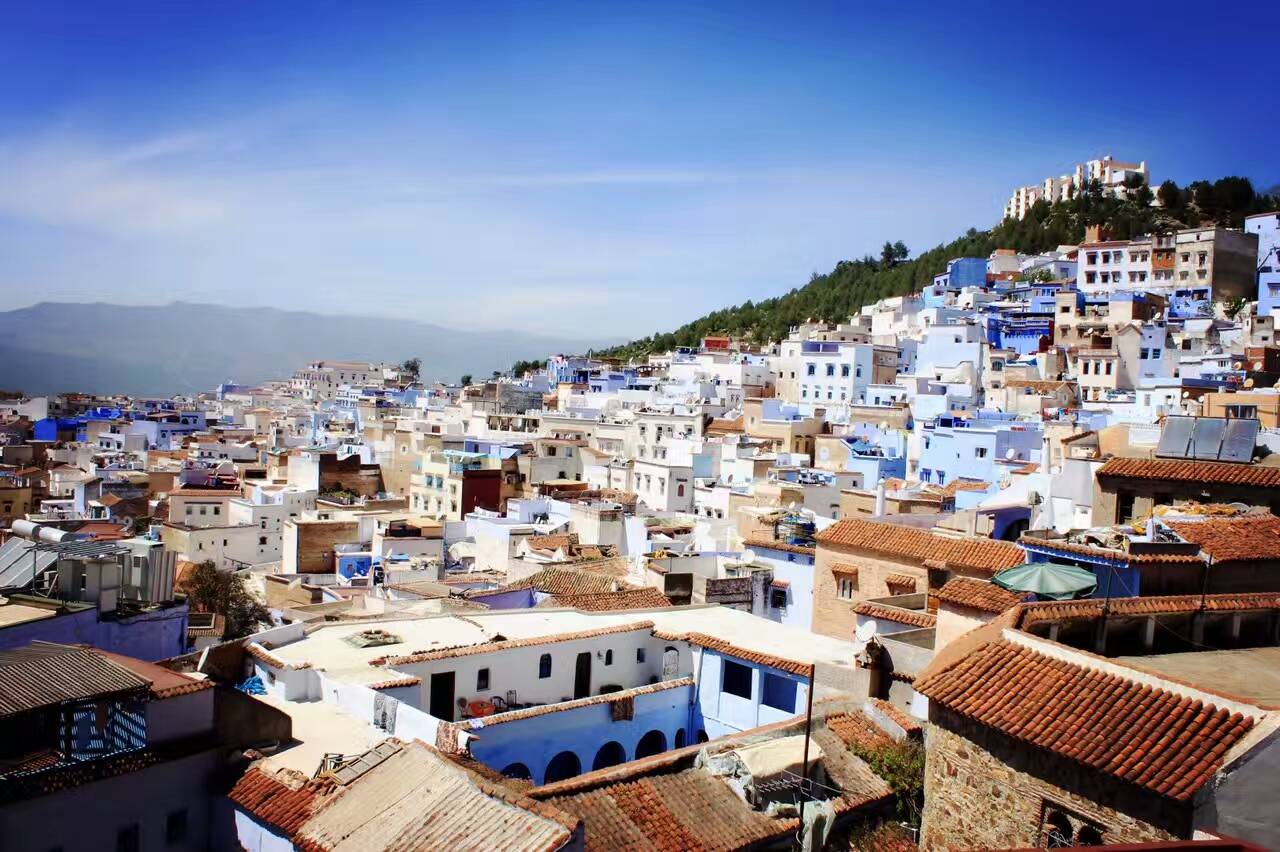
(880, 498)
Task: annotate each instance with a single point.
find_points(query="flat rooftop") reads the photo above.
(1250, 674)
(325, 647)
(319, 728)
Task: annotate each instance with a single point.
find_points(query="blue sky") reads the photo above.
(598, 168)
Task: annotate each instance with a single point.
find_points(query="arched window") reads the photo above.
(517, 770)
(608, 657)
(563, 765)
(654, 742)
(544, 666)
(680, 738)
(702, 736)
(1088, 835)
(1057, 830)
(610, 754)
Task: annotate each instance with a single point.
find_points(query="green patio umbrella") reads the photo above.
(1048, 580)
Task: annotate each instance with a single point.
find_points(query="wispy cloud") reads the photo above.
(609, 177)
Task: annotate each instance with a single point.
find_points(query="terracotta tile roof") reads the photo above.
(1050, 611)
(900, 580)
(1157, 739)
(258, 652)
(493, 647)
(564, 580)
(982, 595)
(552, 542)
(628, 598)
(400, 796)
(396, 682)
(285, 799)
(1038, 385)
(165, 683)
(780, 584)
(982, 554)
(1179, 470)
(855, 729)
(761, 541)
(1111, 552)
(902, 719)
(950, 489)
(884, 612)
(844, 568)
(720, 426)
(723, 647)
(665, 803)
(1249, 538)
(690, 810)
(607, 698)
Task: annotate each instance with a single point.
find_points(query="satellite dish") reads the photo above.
(1257, 365)
(1237, 366)
(747, 556)
(1248, 383)
(1011, 454)
(862, 637)
(1186, 394)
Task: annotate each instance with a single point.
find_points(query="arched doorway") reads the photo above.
(702, 736)
(670, 662)
(610, 754)
(680, 738)
(517, 770)
(654, 742)
(563, 765)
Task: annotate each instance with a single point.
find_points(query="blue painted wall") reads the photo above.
(536, 740)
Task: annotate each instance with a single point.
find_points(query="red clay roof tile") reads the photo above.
(982, 595)
(1157, 739)
(1183, 470)
(982, 554)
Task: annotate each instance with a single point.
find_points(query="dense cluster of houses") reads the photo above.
(1022, 523)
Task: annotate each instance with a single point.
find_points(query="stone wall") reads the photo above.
(833, 615)
(984, 790)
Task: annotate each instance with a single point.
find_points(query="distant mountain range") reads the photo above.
(183, 347)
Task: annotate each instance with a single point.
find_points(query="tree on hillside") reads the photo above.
(223, 593)
(413, 367)
(466, 379)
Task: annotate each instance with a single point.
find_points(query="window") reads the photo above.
(778, 598)
(544, 666)
(608, 657)
(1242, 411)
(482, 679)
(639, 655)
(779, 693)
(262, 541)
(175, 827)
(980, 452)
(735, 678)
(844, 371)
(1110, 364)
(845, 587)
(1124, 506)
(680, 490)
(811, 369)
(128, 839)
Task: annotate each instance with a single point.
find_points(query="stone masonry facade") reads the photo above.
(832, 614)
(984, 790)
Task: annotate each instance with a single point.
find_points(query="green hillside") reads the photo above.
(853, 283)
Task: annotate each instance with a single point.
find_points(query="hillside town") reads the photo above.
(986, 566)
